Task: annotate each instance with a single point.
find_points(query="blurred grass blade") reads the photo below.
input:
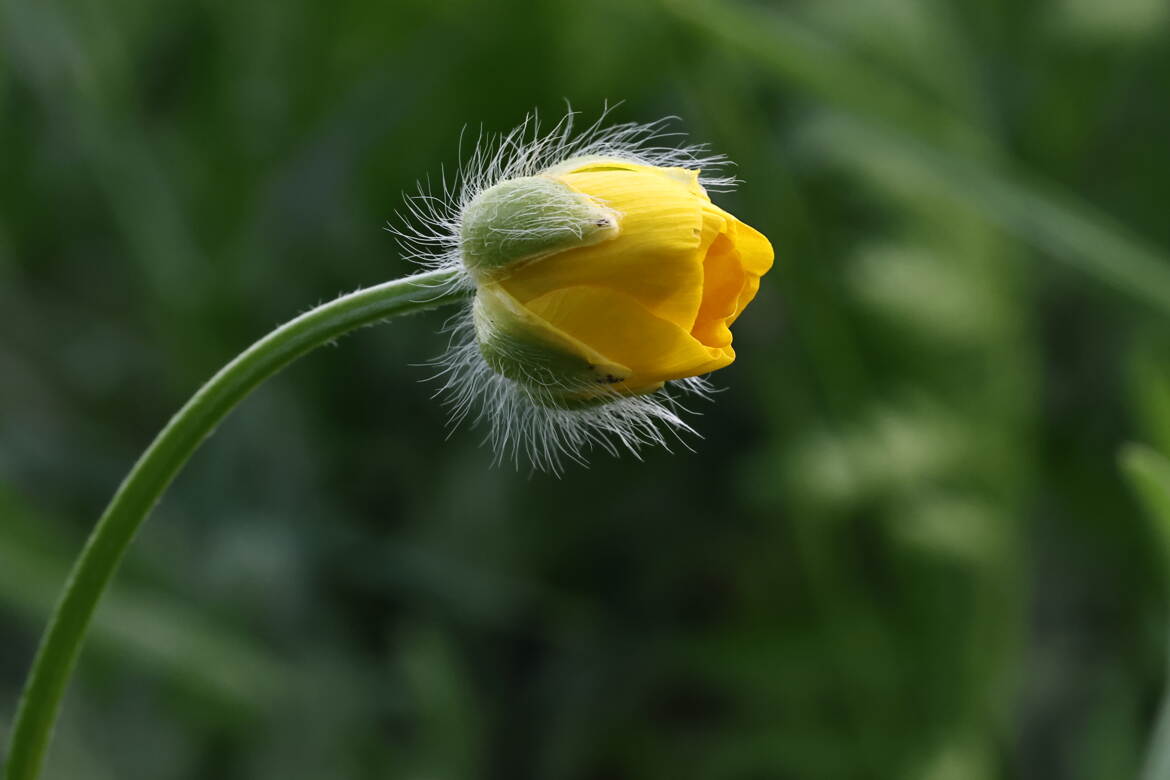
(1057, 224)
(821, 66)
(154, 630)
(1149, 389)
(1148, 473)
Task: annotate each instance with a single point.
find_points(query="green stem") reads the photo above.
(142, 488)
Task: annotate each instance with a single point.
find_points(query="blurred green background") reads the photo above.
(918, 539)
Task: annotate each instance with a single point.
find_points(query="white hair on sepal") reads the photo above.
(519, 423)
(427, 228)
(519, 427)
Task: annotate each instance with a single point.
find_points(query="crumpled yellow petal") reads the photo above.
(756, 256)
(657, 256)
(731, 278)
(620, 328)
(723, 282)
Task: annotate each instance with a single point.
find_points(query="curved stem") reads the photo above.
(144, 485)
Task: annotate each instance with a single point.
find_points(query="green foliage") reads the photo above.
(902, 548)
(1149, 473)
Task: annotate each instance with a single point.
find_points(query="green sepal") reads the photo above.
(553, 368)
(520, 220)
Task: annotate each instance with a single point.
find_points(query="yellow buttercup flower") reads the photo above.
(647, 297)
(604, 279)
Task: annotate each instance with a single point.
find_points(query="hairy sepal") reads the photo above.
(553, 368)
(522, 220)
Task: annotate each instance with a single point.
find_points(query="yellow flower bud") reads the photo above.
(601, 278)
(606, 284)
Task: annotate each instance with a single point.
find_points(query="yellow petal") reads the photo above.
(686, 176)
(753, 247)
(525, 347)
(756, 257)
(625, 332)
(723, 282)
(657, 256)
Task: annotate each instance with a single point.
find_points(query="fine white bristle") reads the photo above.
(519, 426)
